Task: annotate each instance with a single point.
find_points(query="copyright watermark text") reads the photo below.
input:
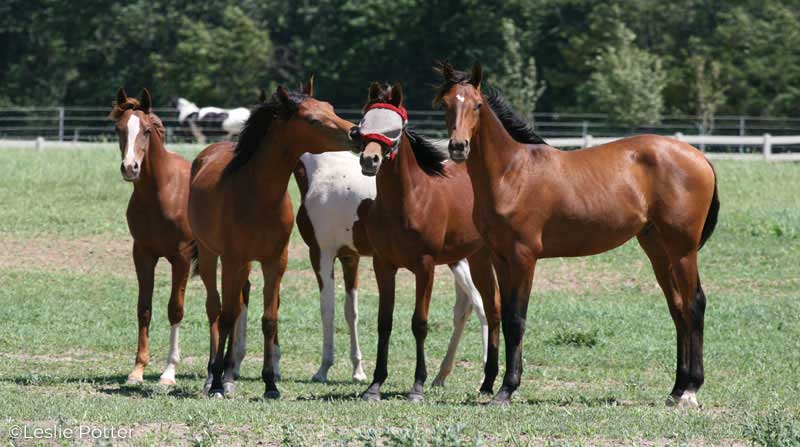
(22, 431)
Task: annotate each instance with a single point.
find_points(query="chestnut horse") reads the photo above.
(421, 218)
(157, 218)
(333, 189)
(533, 201)
(240, 210)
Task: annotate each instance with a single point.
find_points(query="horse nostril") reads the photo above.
(135, 165)
(375, 158)
(122, 168)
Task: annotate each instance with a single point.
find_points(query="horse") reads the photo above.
(332, 188)
(239, 209)
(211, 119)
(533, 201)
(157, 219)
(421, 218)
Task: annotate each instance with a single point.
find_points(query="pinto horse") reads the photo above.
(533, 201)
(333, 189)
(239, 209)
(421, 218)
(157, 219)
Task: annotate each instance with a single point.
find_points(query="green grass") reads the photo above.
(599, 351)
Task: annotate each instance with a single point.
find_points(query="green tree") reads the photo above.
(627, 82)
(709, 90)
(516, 76)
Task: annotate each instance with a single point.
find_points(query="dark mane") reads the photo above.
(516, 126)
(429, 157)
(261, 118)
(519, 128)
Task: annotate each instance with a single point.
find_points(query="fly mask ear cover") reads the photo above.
(384, 123)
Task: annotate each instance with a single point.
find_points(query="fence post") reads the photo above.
(679, 136)
(60, 124)
(585, 129)
(741, 131)
(587, 140)
(767, 146)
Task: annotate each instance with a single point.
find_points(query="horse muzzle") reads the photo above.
(370, 164)
(459, 150)
(130, 172)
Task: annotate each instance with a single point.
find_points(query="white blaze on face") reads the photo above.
(130, 149)
(460, 98)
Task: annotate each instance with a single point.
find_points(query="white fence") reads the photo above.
(764, 142)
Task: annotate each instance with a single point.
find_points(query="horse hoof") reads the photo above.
(167, 381)
(502, 398)
(486, 392)
(319, 378)
(229, 387)
(687, 400)
(369, 396)
(133, 380)
(272, 395)
(359, 376)
(416, 397)
(216, 394)
(438, 381)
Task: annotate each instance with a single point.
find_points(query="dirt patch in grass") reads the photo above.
(85, 255)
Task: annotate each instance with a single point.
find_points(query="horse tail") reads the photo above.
(195, 259)
(713, 213)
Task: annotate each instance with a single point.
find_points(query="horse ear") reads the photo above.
(308, 87)
(283, 96)
(147, 102)
(262, 95)
(121, 96)
(397, 95)
(477, 75)
(448, 72)
(375, 91)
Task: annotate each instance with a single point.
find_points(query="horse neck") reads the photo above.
(155, 171)
(266, 176)
(396, 185)
(492, 149)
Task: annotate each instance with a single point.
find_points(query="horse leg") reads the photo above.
(208, 273)
(273, 273)
(515, 289)
(234, 274)
(241, 332)
(350, 273)
(419, 325)
(488, 310)
(385, 275)
(145, 264)
(689, 366)
(461, 311)
(180, 276)
(327, 305)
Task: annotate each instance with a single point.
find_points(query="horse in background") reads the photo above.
(157, 219)
(209, 120)
(333, 189)
(240, 209)
(421, 218)
(533, 201)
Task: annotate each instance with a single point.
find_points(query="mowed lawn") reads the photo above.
(599, 348)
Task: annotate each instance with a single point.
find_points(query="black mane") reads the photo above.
(519, 128)
(261, 118)
(516, 126)
(429, 157)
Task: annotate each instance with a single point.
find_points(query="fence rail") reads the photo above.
(732, 135)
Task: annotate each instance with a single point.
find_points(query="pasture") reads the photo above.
(600, 345)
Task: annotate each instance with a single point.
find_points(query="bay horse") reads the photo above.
(157, 219)
(333, 189)
(239, 209)
(533, 201)
(421, 218)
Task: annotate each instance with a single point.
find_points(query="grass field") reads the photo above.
(599, 350)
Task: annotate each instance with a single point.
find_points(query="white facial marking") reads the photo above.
(133, 131)
(460, 98)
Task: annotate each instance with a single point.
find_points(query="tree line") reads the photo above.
(634, 59)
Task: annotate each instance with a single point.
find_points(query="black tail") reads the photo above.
(713, 213)
(195, 259)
